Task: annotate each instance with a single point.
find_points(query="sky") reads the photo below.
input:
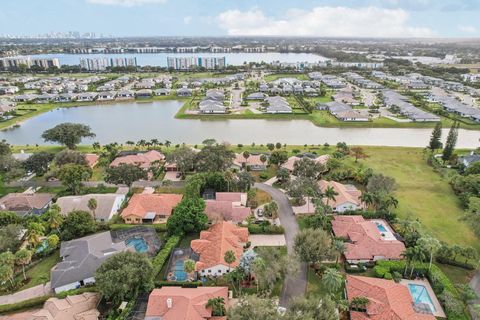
(323, 18)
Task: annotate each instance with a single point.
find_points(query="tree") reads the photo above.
(263, 158)
(229, 258)
(8, 217)
(451, 142)
(6, 273)
(187, 217)
(308, 168)
(245, 181)
(92, 205)
(283, 175)
(23, 257)
(313, 245)
(184, 158)
(217, 305)
(330, 194)
(252, 307)
(379, 183)
(189, 265)
(332, 280)
(339, 247)
(9, 237)
(358, 153)
(70, 156)
(214, 158)
(278, 158)
(72, 176)
(38, 163)
(53, 241)
(472, 214)
(68, 134)
(34, 231)
(122, 276)
(431, 245)
(270, 146)
(312, 308)
(435, 139)
(125, 174)
(77, 224)
(53, 217)
(301, 187)
(246, 155)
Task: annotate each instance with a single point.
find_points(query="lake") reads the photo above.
(120, 122)
(160, 59)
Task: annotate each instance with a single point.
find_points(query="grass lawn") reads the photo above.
(40, 273)
(273, 77)
(456, 274)
(262, 197)
(314, 284)
(185, 242)
(422, 193)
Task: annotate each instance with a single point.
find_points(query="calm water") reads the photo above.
(125, 121)
(160, 59)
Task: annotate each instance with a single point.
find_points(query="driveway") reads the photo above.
(27, 294)
(294, 285)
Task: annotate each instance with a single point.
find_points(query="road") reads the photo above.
(294, 285)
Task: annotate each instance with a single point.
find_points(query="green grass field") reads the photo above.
(40, 273)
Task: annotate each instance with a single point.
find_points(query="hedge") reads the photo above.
(455, 263)
(161, 227)
(73, 292)
(163, 254)
(265, 229)
(24, 305)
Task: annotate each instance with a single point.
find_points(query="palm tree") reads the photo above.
(154, 142)
(431, 245)
(141, 143)
(229, 258)
(92, 205)
(22, 258)
(332, 280)
(54, 218)
(34, 231)
(367, 198)
(130, 143)
(417, 254)
(330, 194)
(339, 247)
(218, 306)
(246, 155)
(189, 265)
(168, 143)
(96, 146)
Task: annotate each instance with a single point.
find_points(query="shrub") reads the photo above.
(380, 271)
(263, 176)
(24, 305)
(388, 276)
(193, 284)
(163, 254)
(265, 229)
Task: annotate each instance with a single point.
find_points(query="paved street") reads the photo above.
(296, 285)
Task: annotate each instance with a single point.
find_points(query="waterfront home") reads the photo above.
(144, 93)
(175, 303)
(470, 159)
(6, 106)
(25, 98)
(106, 95)
(108, 204)
(386, 300)
(277, 104)
(74, 307)
(150, 208)
(66, 97)
(8, 89)
(253, 162)
(228, 206)
(256, 96)
(125, 94)
(81, 258)
(144, 160)
(184, 92)
(367, 240)
(400, 104)
(162, 92)
(347, 198)
(290, 163)
(26, 203)
(344, 112)
(45, 98)
(212, 106)
(87, 96)
(215, 94)
(214, 243)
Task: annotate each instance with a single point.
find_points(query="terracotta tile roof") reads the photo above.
(253, 160)
(366, 241)
(187, 303)
(141, 204)
(387, 300)
(19, 202)
(92, 159)
(228, 206)
(144, 160)
(346, 193)
(289, 165)
(217, 240)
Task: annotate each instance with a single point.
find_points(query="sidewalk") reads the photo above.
(27, 294)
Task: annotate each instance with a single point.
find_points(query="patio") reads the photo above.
(148, 234)
(422, 305)
(175, 269)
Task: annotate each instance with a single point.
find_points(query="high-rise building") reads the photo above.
(101, 64)
(187, 63)
(17, 62)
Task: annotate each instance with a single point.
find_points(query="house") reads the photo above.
(26, 203)
(45, 98)
(107, 95)
(6, 106)
(81, 258)
(92, 159)
(212, 106)
(277, 104)
(253, 161)
(162, 92)
(77, 307)
(347, 198)
(125, 94)
(290, 164)
(263, 87)
(150, 208)
(344, 112)
(25, 98)
(367, 240)
(144, 93)
(386, 300)
(108, 204)
(66, 97)
(215, 94)
(214, 243)
(470, 159)
(177, 303)
(256, 96)
(228, 206)
(142, 159)
(87, 96)
(184, 92)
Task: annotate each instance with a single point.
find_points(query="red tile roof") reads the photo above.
(228, 206)
(92, 159)
(253, 160)
(144, 160)
(346, 194)
(216, 241)
(187, 303)
(366, 241)
(387, 300)
(141, 204)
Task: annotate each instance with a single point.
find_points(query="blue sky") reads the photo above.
(364, 18)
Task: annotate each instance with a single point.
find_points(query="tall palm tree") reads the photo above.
(22, 258)
(367, 198)
(431, 245)
(96, 146)
(168, 143)
(92, 205)
(54, 218)
(330, 194)
(218, 306)
(246, 155)
(229, 258)
(339, 247)
(332, 280)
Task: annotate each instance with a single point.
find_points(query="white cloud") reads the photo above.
(467, 29)
(323, 21)
(187, 19)
(126, 3)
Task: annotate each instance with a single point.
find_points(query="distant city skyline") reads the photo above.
(323, 18)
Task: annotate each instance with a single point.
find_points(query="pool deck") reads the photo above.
(439, 311)
(389, 233)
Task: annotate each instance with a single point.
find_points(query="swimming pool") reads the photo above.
(420, 294)
(381, 227)
(179, 271)
(138, 243)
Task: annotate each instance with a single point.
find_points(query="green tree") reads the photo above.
(213, 158)
(312, 308)
(6, 273)
(278, 158)
(229, 258)
(451, 142)
(122, 276)
(184, 158)
(9, 237)
(189, 265)
(72, 176)
(34, 231)
(70, 156)
(8, 217)
(53, 241)
(245, 181)
(217, 305)
(251, 307)
(125, 174)
(92, 205)
(38, 163)
(246, 155)
(68, 134)
(330, 194)
(283, 175)
(23, 257)
(431, 245)
(77, 224)
(332, 280)
(435, 140)
(313, 245)
(53, 217)
(339, 247)
(187, 217)
(307, 168)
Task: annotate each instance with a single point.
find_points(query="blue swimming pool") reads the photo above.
(138, 243)
(420, 294)
(381, 227)
(179, 271)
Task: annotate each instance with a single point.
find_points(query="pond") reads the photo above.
(124, 121)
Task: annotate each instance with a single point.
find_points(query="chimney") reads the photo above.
(169, 303)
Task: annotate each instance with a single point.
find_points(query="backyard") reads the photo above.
(40, 273)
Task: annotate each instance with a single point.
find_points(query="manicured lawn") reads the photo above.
(422, 193)
(262, 197)
(314, 284)
(456, 274)
(40, 273)
(273, 77)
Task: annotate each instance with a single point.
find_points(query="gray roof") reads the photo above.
(105, 203)
(82, 257)
(393, 98)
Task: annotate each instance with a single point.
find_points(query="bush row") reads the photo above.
(193, 284)
(455, 263)
(163, 254)
(161, 227)
(265, 229)
(24, 305)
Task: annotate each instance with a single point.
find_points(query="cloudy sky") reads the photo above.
(347, 18)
